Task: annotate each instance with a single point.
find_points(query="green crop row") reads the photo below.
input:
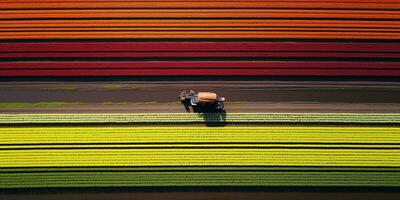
(198, 178)
(200, 118)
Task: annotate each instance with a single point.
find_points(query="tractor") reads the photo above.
(202, 101)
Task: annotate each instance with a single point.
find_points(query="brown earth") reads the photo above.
(252, 107)
(242, 96)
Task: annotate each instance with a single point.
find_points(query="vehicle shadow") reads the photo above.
(211, 116)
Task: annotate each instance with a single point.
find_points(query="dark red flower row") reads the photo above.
(305, 50)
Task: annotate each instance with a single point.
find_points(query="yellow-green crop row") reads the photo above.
(32, 157)
(200, 146)
(200, 157)
(390, 118)
(186, 135)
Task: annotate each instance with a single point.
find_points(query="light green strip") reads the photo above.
(387, 118)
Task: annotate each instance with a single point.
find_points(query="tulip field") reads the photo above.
(199, 59)
(71, 38)
(142, 177)
(172, 19)
(266, 154)
(277, 94)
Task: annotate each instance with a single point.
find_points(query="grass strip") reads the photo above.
(37, 104)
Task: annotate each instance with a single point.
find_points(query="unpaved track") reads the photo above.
(245, 107)
(242, 96)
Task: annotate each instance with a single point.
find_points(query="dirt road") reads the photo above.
(242, 96)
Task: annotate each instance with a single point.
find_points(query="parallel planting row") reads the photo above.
(33, 157)
(199, 49)
(159, 19)
(144, 177)
(31, 32)
(198, 68)
(217, 59)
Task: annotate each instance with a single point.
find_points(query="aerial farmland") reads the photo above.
(232, 99)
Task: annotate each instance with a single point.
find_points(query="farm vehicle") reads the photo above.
(202, 101)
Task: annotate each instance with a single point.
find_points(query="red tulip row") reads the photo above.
(197, 46)
(181, 68)
(190, 50)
